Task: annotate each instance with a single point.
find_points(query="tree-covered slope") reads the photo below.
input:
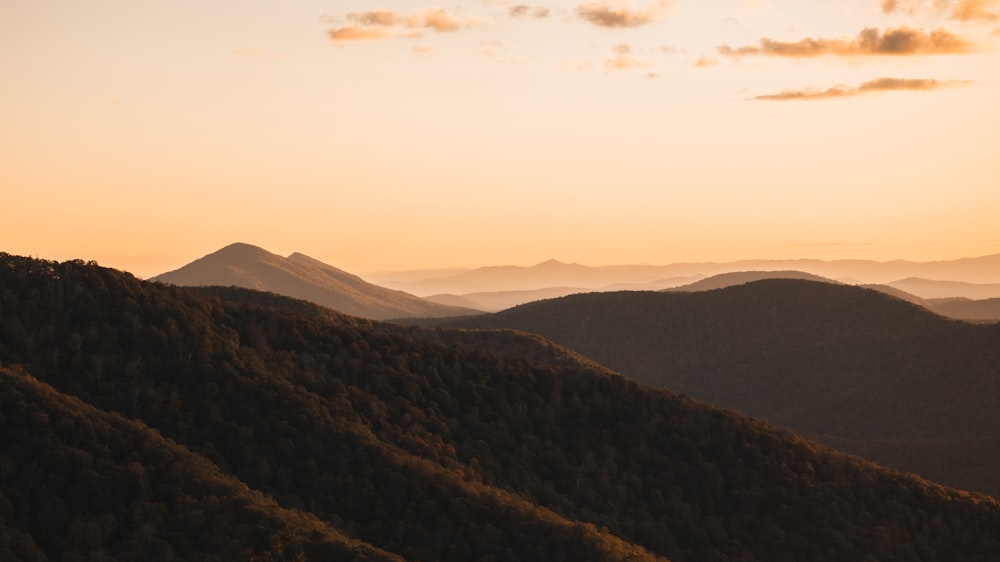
(828, 359)
(432, 445)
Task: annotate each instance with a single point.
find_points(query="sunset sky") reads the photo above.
(397, 134)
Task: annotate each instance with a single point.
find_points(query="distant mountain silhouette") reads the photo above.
(830, 360)
(299, 276)
(976, 310)
(724, 280)
(455, 300)
(981, 270)
(149, 422)
(501, 300)
(931, 289)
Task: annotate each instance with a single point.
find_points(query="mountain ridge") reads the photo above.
(300, 276)
(826, 359)
(983, 269)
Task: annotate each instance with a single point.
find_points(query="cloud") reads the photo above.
(385, 24)
(603, 15)
(877, 85)
(422, 49)
(523, 10)
(965, 10)
(356, 33)
(962, 10)
(871, 41)
(704, 61)
(623, 59)
(440, 20)
(380, 17)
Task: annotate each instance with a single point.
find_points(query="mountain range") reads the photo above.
(302, 277)
(143, 421)
(852, 367)
(552, 273)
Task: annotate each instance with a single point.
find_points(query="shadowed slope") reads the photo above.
(300, 276)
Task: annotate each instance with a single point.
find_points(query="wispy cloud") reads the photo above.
(623, 59)
(604, 15)
(877, 85)
(385, 24)
(966, 10)
(900, 41)
(962, 10)
(524, 10)
(704, 62)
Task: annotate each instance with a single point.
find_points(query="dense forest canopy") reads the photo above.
(351, 437)
(855, 368)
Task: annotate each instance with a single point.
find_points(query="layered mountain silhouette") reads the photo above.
(302, 277)
(934, 289)
(852, 367)
(422, 444)
(552, 273)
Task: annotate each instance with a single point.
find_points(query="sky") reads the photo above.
(399, 134)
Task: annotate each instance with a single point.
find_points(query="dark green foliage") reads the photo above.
(441, 445)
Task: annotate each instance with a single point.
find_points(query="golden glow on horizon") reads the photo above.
(490, 132)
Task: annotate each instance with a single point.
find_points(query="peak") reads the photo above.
(241, 251)
(550, 263)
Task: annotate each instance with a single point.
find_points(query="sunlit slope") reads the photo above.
(300, 276)
(82, 482)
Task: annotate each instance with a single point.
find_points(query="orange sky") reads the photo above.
(406, 134)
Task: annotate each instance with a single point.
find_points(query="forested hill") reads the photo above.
(86, 484)
(408, 441)
(846, 362)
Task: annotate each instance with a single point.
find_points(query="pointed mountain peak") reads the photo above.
(551, 264)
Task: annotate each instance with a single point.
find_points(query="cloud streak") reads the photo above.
(387, 24)
(872, 86)
(962, 10)
(901, 41)
(603, 15)
(523, 11)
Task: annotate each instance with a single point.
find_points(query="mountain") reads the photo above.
(836, 362)
(299, 276)
(454, 300)
(932, 289)
(500, 300)
(982, 270)
(975, 310)
(426, 444)
(724, 280)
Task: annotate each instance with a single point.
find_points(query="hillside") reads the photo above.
(429, 444)
(302, 277)
(106, 487)
(975, 310)
(831, 360)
